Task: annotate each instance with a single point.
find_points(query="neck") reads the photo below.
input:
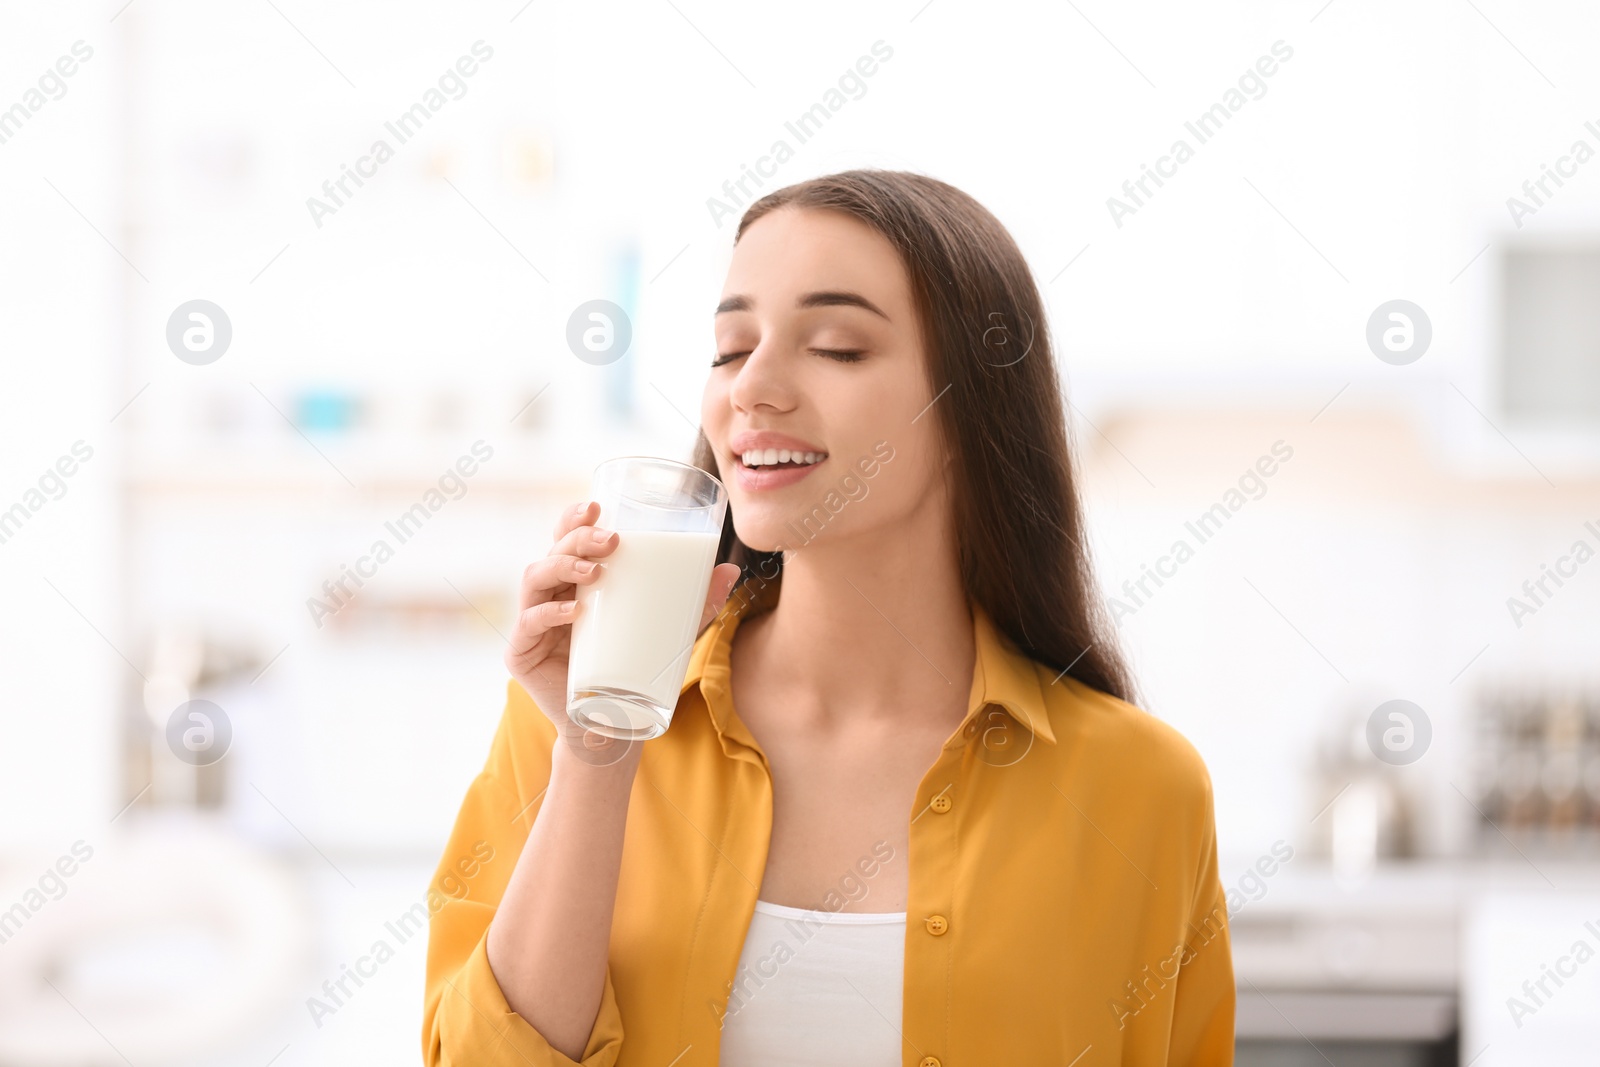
(871, 628)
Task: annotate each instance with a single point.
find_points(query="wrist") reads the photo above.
(592, 755)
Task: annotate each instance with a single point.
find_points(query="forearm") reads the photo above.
(549, 939)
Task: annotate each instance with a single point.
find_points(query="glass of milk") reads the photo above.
(633, 635)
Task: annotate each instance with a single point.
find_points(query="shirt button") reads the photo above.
(937, 925)
(930, 1061)
(940, 803)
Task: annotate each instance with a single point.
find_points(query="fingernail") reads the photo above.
(601, 535)
(568, 607)
(585, 567)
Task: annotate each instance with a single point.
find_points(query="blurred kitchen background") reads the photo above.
(1430, 538)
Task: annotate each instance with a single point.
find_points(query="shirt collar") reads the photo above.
(1002, 675)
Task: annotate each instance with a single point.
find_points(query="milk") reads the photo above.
(637, 625)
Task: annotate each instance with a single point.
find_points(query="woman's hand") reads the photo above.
(537, 654)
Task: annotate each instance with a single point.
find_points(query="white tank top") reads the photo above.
(816, 989)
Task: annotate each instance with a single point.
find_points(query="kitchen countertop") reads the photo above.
(1383, 960)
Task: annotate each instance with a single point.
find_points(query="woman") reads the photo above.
(935, 831)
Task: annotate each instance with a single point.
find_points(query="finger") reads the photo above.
(723, 578)
(530, 663)
(590, 541)
(578, 515)
(534, 630)
(539, 586)
(549, 578)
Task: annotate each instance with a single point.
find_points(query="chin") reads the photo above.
(764, 533)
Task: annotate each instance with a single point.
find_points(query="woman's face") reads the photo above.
(819, 354)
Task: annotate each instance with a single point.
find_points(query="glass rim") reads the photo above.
(720, 497)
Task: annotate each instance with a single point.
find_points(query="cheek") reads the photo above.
(913, 476)
(714, 406)
(910, 480)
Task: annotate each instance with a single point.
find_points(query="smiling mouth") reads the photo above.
(758, 459)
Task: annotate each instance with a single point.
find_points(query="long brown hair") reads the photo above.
(1018, 519)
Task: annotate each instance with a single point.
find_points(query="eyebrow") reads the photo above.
(824, 298)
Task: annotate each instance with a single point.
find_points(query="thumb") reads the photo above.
(723, 578)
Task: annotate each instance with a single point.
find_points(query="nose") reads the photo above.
(763, 380)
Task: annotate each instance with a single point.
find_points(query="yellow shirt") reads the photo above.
(1064, 905)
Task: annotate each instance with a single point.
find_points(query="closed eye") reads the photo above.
(843, 355)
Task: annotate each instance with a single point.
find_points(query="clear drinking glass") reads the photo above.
(633, 635)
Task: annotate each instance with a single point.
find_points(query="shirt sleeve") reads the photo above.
(466, 1021)
(1203, 1011)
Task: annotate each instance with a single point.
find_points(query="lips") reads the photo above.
(766, 459)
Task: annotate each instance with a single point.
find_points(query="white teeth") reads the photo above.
(758, 457)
